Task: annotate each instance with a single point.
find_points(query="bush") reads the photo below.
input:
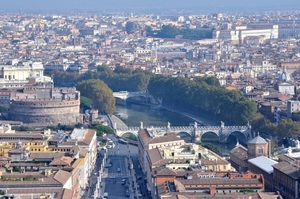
(101, 129)
(247, 190)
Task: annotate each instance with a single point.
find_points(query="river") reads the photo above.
(133, 114)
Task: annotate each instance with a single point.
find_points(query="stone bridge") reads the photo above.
(142, 96)
(124, 95)
(195, 132)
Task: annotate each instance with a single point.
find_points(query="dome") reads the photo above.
(284, 76)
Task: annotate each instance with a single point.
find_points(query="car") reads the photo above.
(108, 165)
(127, 193)
(105, 195)
(123, 181)
(119, 170)
(138, 177)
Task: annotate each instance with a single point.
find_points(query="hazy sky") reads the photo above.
(206, 5)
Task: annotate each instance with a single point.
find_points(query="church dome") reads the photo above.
(284, 76)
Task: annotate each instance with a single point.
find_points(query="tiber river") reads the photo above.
(132, 114)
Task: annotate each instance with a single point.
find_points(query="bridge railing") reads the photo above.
(186, 127)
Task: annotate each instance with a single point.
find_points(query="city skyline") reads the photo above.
(147, 6)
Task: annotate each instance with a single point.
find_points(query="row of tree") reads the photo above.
(203, 94)
(169, 31)
(119, 79)
(286, 128)
(198, 95)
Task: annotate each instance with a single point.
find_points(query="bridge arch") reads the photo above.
(186, 136)
(137, 97)
(238, 135)
(127, 133)
(210, 136)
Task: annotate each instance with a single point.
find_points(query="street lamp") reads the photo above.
(118, 148)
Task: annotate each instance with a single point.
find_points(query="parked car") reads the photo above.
(127, 194)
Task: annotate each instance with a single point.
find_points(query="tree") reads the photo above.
(129, 27)
(288, 128)
(169, 31)
(101, 129)
(3, 109)
(99, 93)
(85, 103)
(203, 94)
(261, 124)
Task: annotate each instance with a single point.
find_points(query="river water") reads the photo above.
(133, 114)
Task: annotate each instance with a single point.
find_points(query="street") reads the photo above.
(122, 176)
(93, 178)
(140, 178)
(114, 186)
(119, 161)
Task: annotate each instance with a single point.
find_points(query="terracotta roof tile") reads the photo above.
(46, 155)
(166, 138)
(144, 135)
(89, 136)
(47, 181)
(62, 176)
(240, 152)
(154, 155)
(61, 161)
(67, 194)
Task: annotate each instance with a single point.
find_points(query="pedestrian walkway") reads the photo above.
(117, 122)
(103, 183)
(134, 191)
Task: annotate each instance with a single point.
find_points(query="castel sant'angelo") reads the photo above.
(39, 103)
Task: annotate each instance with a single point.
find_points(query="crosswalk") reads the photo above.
(117, 197)
(112, 175)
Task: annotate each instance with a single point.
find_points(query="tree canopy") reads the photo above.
(99, 93)
(101, 129)
(129, 27)
(3, 109)
(85, 103)
(169, 31)
(288, 128)
(203, 94)
(120, 79)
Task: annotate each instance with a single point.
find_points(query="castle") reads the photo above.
(39, 103)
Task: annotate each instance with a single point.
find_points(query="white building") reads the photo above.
(87, 139)
(21, 71)
(237, 34)
(16, 74)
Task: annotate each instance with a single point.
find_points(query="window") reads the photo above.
(260, 150)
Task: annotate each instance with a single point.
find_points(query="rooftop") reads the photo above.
(263, 163)
(257, 140)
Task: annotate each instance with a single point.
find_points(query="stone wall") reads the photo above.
(45, 112)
